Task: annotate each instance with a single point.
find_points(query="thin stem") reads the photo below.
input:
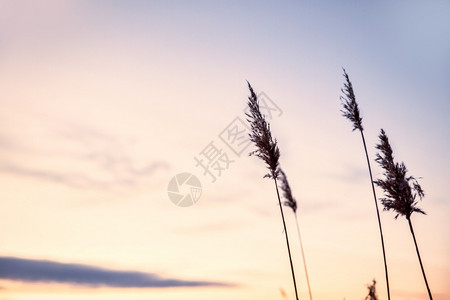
(287, 239)
(418, 255)
(378, 215)
(303, 256)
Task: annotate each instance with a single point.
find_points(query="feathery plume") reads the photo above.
(292, 203)
(372, 291)
(350, 106)
(267, 148)
(400, 191)
(350, 110)
(287, 193)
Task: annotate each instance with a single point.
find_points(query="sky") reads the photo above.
(104, 103)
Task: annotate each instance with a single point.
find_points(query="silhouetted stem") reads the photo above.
(378, 215)
(303, 256)
(287, 239)
(418, 255)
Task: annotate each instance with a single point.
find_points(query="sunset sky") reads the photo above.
(102, 103)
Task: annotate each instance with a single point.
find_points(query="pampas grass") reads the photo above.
(267, 150)
(292, 204)
(372, 295)
(350, 110)
(261, 136)
(400, 191)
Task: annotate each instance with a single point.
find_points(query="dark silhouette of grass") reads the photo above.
(400, 190)
(267, 150)
(372, 291)
(292, 203)
(350, 110)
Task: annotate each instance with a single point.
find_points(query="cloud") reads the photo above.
(71, 180)
(30, 270)
(80, 180)
(3, 141)
(351, 174)
(109, 154)
(6, 144)
(97, 160)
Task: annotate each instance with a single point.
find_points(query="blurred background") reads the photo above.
(102, 103)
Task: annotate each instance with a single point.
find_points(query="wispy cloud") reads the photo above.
(350, 174)
(109, 154)
(78, 180)
(6, 144)
(98, 160)
(29, 270)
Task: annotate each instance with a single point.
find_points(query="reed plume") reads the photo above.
(267, 150)
(372, 295)
(292, 203)
(266, 147)
(350, 110)
(400, 191)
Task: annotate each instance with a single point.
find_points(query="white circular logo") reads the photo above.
(184, 189)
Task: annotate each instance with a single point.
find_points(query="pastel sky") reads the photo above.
(102, 103)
